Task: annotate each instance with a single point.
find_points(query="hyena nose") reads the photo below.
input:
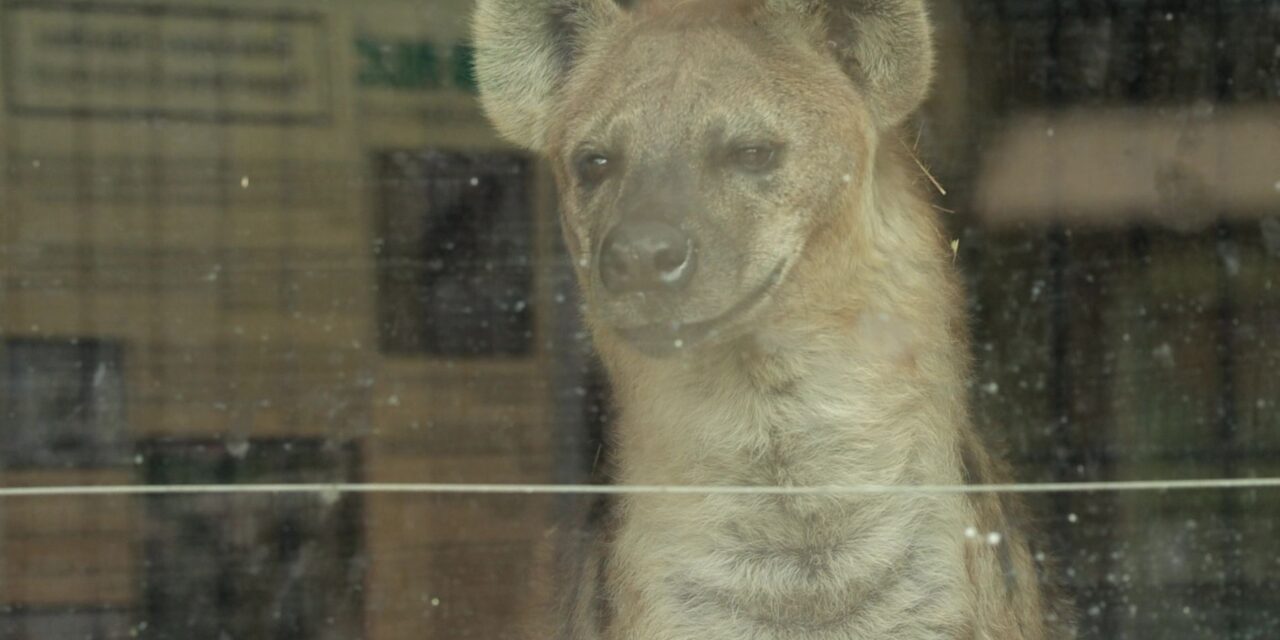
(646, 256)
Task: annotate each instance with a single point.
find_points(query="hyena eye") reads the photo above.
(755, 158)
(593, 168)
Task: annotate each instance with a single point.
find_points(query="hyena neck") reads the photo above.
(862, 355)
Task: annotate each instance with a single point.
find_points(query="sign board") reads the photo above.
(84, 59)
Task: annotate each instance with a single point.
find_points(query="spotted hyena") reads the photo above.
(776, 307)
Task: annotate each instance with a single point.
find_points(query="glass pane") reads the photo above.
(336, 320)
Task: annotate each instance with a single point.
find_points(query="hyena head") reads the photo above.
(699, 145)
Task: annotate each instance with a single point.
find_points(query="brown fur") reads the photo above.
(821, 341)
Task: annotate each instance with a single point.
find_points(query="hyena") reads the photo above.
(776, 307)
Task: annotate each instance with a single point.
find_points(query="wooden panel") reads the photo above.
(68, 550)
(457, 566)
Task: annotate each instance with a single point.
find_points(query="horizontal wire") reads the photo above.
(595, 489)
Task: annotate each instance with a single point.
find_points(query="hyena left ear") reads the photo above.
(884, 45)
(524, 50)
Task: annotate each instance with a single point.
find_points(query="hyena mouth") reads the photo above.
(662, 339)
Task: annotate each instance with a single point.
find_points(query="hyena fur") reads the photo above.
(776, 306)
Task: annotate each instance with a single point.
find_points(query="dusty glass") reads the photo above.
(291, 344)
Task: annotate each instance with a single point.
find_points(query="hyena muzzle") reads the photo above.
(776, 307)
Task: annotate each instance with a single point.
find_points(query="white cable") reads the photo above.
(586, 489)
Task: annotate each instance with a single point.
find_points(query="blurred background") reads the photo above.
(246, 243)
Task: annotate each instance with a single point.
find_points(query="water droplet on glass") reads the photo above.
(238, 449)
(1163, 354)
(1271, 237)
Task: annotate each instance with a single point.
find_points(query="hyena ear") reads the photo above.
(884, 45)
(524, 49)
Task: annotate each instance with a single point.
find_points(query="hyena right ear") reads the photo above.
(884, 45)
(524, 50)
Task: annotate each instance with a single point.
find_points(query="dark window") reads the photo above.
(252, 565)
(63, 404)
(55, 623)
(454, 252)
(1142, 348)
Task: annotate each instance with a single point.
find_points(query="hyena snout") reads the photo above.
(647, 256)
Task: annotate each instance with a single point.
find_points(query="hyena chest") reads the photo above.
(785, 568)
(798, 564)
(786, 565)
